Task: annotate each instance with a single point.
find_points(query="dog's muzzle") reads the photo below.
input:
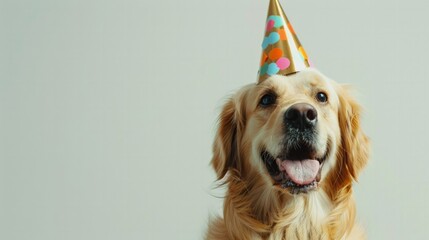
(298, 166)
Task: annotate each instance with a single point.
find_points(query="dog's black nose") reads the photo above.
(301, 116)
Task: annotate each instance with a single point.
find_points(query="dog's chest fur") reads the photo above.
(303, 217)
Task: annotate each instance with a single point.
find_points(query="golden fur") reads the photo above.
(256, 209)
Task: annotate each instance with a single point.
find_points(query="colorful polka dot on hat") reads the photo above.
(282, 53)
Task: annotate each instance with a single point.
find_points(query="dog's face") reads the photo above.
(294, 129)
(297, 133)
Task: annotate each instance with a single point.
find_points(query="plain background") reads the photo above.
(108, 109)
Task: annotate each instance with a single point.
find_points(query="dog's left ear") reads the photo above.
(354, 143)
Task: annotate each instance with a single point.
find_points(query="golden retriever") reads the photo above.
(288, 149)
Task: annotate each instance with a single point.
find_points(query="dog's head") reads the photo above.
(297, 133)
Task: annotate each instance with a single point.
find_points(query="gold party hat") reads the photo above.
(282, 53)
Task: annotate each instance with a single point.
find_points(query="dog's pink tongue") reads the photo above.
(300, 172)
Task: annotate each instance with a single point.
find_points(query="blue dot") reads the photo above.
(265, 43)
(273, 69)
(278, 21)
(273, 38)
(264, 69)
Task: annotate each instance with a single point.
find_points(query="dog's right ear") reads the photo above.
(229, 132)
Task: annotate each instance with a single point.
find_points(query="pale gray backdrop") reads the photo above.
(108, 109)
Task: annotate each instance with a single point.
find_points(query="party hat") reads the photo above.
(282, 53)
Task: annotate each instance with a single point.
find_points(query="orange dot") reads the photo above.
(275, 54)
(263, 58)
(282, 34)
(290, 28)
(303, 53)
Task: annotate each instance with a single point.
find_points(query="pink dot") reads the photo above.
(283, 63)
(270, 25)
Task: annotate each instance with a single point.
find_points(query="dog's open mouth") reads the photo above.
(298, 170)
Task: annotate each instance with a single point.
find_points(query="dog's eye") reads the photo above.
(267, 100)
(322, 97)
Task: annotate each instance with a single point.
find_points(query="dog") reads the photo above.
(289, 149)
